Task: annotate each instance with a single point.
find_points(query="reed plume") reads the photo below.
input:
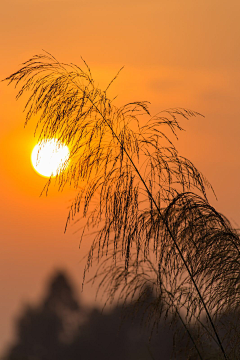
(146, 204)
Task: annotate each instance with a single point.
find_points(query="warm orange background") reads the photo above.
(176, 53)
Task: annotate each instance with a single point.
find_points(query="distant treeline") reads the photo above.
(61, 328)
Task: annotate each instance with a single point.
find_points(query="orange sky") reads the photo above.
(175, 52)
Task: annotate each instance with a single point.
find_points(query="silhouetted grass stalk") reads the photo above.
(104, 155)
(177, 247)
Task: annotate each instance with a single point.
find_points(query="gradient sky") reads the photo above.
(175, 52)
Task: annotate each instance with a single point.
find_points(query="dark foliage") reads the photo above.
(41, 331)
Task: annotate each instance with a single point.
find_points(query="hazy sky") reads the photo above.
(175, 52)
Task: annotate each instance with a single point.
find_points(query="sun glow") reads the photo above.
(50, 157)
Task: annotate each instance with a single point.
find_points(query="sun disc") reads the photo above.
(50, 157)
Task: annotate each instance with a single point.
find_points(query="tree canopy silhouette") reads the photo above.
(43, 330)
(146, 203)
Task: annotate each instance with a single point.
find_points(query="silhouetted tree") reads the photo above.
(41, 330)
(147, 203)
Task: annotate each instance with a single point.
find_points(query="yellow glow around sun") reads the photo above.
(50, 157)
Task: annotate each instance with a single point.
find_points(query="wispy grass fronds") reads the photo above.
(147, 204)
(210, 248)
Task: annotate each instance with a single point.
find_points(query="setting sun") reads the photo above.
(49, 157)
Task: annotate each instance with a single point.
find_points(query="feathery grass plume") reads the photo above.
(147, 204)
(210, 248)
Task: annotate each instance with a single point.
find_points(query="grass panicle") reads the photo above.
(146, 204)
